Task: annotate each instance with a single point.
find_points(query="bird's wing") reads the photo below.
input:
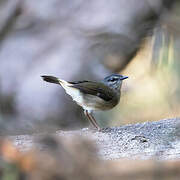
(94, 88)
(77, 82)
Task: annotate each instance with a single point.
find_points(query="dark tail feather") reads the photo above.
(51, 79)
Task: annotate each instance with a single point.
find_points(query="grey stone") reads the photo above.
(149, 140)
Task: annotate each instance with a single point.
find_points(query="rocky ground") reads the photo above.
(147, 140)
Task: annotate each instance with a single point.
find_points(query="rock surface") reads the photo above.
(149, 140)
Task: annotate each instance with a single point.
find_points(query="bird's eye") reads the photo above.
(113, 79)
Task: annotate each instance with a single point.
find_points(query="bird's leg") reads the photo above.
(95, 122)
(92, 120)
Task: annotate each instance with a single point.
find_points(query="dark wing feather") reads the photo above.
(77, 82)
(96, 89)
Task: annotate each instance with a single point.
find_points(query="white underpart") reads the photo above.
(73, 92)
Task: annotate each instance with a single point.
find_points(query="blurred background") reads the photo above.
(77, 40)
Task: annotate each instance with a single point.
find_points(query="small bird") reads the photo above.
(92, 96)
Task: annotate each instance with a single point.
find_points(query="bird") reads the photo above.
(91, 95)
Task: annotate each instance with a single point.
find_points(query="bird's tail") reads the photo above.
(52, 79)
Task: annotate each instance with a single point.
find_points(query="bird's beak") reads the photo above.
(124, 77)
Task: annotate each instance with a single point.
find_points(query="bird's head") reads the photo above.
(114, 81)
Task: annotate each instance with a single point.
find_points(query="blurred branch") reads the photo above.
(9, 18)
